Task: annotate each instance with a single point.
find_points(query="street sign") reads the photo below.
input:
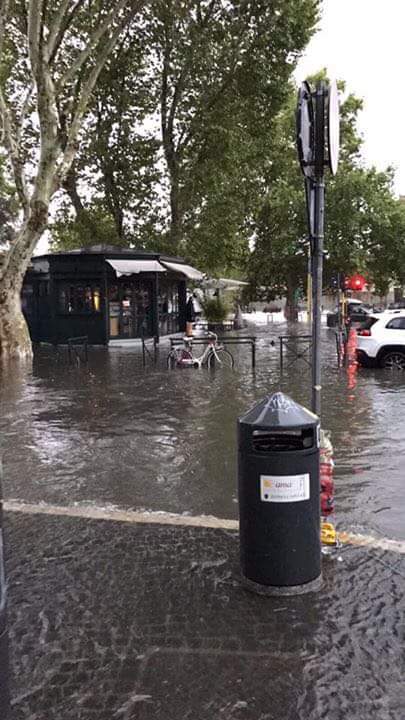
(320, 127)
(333, 127)
(305, 130)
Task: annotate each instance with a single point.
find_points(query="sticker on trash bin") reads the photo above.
(284, 488)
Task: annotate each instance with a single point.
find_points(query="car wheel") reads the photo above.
(393, 360)
(363, 359)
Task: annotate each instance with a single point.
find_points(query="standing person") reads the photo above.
(197, 305)
(190, 316)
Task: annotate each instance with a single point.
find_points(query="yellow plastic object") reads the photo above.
(328, 534)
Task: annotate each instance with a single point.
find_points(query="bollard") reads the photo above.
(279, 497)
(4, 655)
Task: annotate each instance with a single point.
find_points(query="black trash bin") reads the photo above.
(279, 497)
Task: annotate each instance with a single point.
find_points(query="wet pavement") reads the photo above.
(142, 622)
(114, 620)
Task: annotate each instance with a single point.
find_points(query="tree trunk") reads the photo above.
(291, 308)
(175, 219)
(15, 341)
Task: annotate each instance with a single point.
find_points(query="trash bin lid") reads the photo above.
(279, 411)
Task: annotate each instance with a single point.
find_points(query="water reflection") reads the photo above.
(115, 432)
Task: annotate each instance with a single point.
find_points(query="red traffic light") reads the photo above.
(357, 282)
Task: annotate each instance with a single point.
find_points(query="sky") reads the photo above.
(362, 42)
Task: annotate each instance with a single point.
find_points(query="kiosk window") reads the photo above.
(80, 299)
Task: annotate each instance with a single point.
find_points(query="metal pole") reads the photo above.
(4, 655)
(317, 268)
(309, 288)
(143, 345)
(339, 309)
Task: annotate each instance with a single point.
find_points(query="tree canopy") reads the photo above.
(364, 222)
(180, 128)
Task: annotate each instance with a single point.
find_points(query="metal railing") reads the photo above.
(146, 351)
(74, 346)
(299, 346)
(224, 325)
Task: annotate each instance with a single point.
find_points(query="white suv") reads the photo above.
(381, 340)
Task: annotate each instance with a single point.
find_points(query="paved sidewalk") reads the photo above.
(119, 621)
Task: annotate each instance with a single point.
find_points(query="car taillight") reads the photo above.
(364, 333)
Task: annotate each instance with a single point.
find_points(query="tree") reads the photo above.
(221, 78)
(116, 172)
(363, 220)
(51, 59)
(216, 75)
(92, 226)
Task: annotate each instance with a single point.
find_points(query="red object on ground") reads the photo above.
(327, 495)
(327, 504)
(327, 485)
(326, 469)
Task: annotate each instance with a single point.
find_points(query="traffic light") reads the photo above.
(334, 281)
(339, 281)
(357, 282)
(344, 282)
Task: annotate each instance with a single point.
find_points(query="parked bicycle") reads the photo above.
(183, 356)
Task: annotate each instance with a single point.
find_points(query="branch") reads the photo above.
(34, 34)
(93, 40)
(210, 103)
(56, 27)
(70, 186)
(85, 93)
(23, 114)
(168, 124)
(164, 92)
(3, 19)
(59, 27)
(14, 152)
(204, 20)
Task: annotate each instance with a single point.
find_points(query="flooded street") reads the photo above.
(149, 621)
(112, 433)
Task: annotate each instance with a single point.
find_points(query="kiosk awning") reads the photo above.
(130, 267)
(186, 270)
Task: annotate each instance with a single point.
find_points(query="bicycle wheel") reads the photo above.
(221, 358)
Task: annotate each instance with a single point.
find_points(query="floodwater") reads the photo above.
(124, 620)
(115, 433)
